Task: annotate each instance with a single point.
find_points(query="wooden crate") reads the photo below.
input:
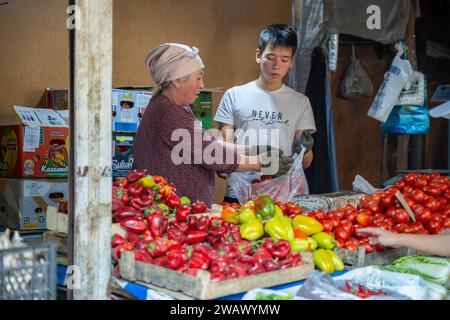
(360, 259)
(200, 287)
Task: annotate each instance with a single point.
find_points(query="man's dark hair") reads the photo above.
(278, 35)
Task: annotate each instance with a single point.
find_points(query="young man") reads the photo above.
(265, 111)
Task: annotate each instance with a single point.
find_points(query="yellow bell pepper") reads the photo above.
(230, 215)
(313, 244)
(247, 214)
(308, 225)
(280, 226)
(323, 260)
(300, 245)
(252, 230)
(338, 264)
(324, 240)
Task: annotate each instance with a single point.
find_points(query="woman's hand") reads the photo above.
(381, 236)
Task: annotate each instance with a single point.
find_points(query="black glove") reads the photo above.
(256, 150)
(274, 164)
(306, 140)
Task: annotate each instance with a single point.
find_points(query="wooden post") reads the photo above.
(91, 140)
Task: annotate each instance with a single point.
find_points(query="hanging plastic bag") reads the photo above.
(409, 119)
(282, 188)
(356, 82)
(395, 79)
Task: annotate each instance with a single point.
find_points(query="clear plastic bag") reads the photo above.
(320, 285)
(283, 188)
(356, 82)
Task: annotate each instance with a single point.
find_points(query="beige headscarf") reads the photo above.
(170, 61)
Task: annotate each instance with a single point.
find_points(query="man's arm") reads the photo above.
(308, 156)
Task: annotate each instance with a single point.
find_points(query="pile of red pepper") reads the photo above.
(428, 196)
(161, 230)
(361, 291)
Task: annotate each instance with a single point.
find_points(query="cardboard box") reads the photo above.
(57, 99)
(123, 148)
(128, 107)
(24, 202)
(36, 148)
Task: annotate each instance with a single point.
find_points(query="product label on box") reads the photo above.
(31, 139)
(36, 188)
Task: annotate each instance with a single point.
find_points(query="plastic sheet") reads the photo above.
(320, 285)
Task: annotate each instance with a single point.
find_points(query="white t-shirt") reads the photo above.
(265, 117)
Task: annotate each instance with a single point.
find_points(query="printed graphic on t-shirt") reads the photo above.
(266, 117)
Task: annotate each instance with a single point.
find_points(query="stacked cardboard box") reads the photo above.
(33, 167)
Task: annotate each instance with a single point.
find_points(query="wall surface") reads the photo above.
(35, 54)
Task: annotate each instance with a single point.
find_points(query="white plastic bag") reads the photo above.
(283, 188)
(414, 95)
(395, 80)
(362, 185)
(320, 285)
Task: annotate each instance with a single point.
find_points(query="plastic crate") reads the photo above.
(28, 273)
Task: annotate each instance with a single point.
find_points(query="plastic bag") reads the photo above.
(395, 79)
(414, 95)
(409, 119)
(283, 188)
(362, 185)
(320, 285)
(356, 82)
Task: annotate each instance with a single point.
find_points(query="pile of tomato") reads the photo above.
(427, 195)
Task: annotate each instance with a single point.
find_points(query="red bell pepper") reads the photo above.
(271, 265)
(295, 258)
(217, 277)
(173, 201)
(122, 182)
(182, 213)
(152, 209)
(248, 260)
(234, 232)
(278, 249)
(117, 252)
(195, 236)
(238, 269)
(243, 247)
(135, 175)
(117, 240)
(200, 223)
(219, 265)
(217, 232)
(140, 203)
(258, 268)
(227, 249)
(174, 260)
(199, 207)
(125, 212)
(216, 222)
(285, 263)
(177, 235)
(134, 224)
(157, 248)
(143, 256)
(262, 254)
(183, 226)
(133, 237)
(116, 204)
(159, 180)
(122, 194)
(199, 262)
(136, 189)
(156, 224)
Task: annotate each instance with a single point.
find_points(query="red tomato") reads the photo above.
(409, 202)
(373, 206)
(400, 185)
(446, 224)
(336, 222)
(401, 227)
(387, 200)
(418, 195)
(434, 226)
(401, 216)
(432, 204)
(327, 225)
(340, 213)
(320, 215)
(432, 190)
(417, 226)
(390, 212)
(350, 246)
(410, 178)
(341, 242)
(389, 222)
(420, 183)
(392, 190)
(447, 194)
(341, 233)
(407, 189)
(356, 227)
(417, 208)
(348, 226)
(424, 216)
(364, 218)
(378, 218)
(442, 203)
(351, 216)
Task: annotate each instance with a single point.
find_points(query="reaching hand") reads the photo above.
(306, 140)
(381, 236)
(274, 164)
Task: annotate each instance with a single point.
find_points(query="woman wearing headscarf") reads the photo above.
(170, 141)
